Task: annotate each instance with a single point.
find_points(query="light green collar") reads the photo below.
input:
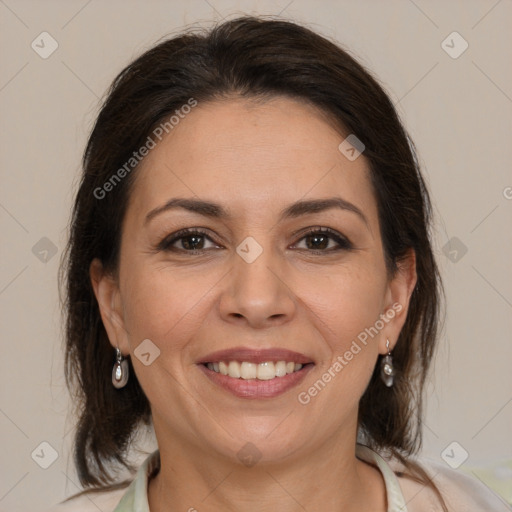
(135, 498)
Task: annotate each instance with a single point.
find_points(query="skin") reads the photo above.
(254, 158)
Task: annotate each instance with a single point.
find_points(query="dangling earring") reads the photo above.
(387, 371)
(120, 370)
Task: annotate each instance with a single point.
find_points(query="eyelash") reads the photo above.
(166, 243)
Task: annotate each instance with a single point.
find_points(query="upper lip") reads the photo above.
(255, 355)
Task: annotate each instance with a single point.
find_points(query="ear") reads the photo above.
(397, 299)
(107, 294)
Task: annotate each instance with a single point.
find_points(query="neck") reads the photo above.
(332, 479)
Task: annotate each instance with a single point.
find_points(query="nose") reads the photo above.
(259, 294)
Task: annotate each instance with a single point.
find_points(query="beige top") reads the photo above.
(461, 492)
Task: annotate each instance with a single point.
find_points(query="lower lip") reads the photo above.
(255, 388)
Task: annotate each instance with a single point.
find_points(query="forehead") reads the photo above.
(251, 156)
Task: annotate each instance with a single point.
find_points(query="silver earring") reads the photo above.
(387, 371)
(120, 370)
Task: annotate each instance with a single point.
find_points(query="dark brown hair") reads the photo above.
(253, 58)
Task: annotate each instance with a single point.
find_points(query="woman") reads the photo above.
(250, 273)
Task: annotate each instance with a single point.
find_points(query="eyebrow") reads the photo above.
(297, 209)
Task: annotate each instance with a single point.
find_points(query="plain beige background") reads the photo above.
(457, 110)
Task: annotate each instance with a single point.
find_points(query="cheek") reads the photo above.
(348, 301)
(168, 304)
(347, 310)
(164, 305)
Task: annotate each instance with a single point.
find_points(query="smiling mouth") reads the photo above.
(245, 370)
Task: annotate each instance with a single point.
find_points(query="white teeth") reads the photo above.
(262, 371)
(248, 370)
(266, 371)
(280, 369)
(223, 368)
(234, 369)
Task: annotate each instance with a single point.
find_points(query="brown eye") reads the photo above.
(325, 240)
(192, 242)
(186, 240)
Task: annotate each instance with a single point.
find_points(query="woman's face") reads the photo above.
(253, 280)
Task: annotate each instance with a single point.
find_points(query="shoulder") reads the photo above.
(461, 492)
(90, 502)
(121, 497)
